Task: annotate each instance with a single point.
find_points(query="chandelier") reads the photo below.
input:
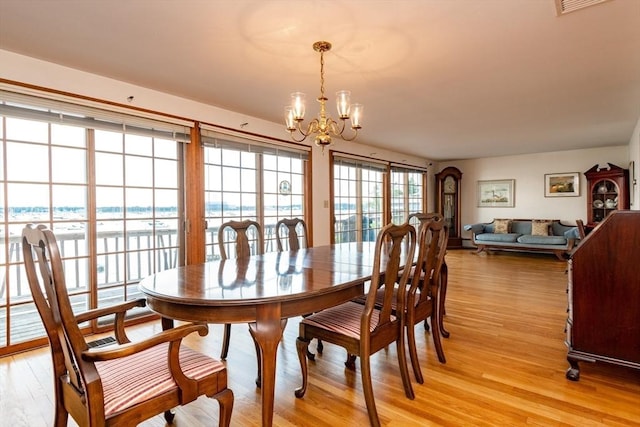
(323, 127)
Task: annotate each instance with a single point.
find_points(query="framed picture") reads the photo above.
(562, 184)
(496, 193)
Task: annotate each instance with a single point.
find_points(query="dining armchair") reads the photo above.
(291, 233)
(124, 383)
(365, 329)
(248, 239)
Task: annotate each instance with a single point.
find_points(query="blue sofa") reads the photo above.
(560, 238)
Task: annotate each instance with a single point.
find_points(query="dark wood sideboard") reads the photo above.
(603, 324)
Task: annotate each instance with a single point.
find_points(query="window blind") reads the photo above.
(30, 107)
(213, 137)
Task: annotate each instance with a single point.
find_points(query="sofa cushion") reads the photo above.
(497, 237)
(542, 240)
(521, 227)
(540, 227)
(501, 226)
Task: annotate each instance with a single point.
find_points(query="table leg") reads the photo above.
(267, 332)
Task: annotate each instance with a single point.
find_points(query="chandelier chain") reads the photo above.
(322, 75)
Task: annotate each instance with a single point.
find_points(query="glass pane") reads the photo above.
(110, 296)
(27, 162)
(139, 202)
(76, 273)
(167, 149)
(70, 136)
(166, 203)
(212, 179)
(138, 171)
(108, 141)
(166, 173)
(111, 267)
(27, 130)
(28, 319)
(28, 201)
(62, 159)
(110, 236)
(137, 144)
(3, 323)
(230, 179)
(69, 202)
(109, 169)
(109, 202)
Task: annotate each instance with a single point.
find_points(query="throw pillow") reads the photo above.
(540, 227)
(501, 226)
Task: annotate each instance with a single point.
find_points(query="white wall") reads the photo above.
(528, 172)
(27, 70)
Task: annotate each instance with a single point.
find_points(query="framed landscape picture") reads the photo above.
(565, 184)
(496, 193)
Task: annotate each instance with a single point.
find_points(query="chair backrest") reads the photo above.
(248, 234)
(49, 291)
(394, 244)
(418, 219)
(294, 230)
(432, 247)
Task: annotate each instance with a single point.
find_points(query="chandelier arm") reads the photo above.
(355, 134)
(296, 139)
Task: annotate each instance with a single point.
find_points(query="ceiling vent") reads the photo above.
(566, 6)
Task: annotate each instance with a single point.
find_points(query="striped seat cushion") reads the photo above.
(342, 319)
(134, 379)
(362, 299)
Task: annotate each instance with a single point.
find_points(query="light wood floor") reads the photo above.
(505, 366)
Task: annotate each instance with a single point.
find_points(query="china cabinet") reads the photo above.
(607, 191)
(448, 202)
(603, 293)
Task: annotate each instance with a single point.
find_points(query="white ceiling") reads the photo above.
(441, 79)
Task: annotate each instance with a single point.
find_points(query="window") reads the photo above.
(407, 193)
(108, 185)
(358, 197)
(250, 179)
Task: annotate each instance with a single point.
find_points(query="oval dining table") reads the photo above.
(263, 291)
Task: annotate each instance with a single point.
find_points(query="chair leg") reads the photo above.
(444, 280)
(350, 363)
(404, 369)
(367, 388)
(61, 416)
(170, 415)
(436, 337)
(225, 400)
(225, 341)
(259, 362)
(413, 352)
(302, 346)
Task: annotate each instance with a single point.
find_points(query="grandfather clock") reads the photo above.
(448, 202)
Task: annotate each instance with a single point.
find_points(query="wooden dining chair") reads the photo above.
(248, 240)
(424, 289)
(365, 329)
(124, 383)
(419, 219)
(291, 233)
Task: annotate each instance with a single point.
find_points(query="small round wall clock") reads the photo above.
(284, 187)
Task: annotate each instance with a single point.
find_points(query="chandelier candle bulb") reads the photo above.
(298, 101)
(289, 119)
(343, 101)
(356, 117)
